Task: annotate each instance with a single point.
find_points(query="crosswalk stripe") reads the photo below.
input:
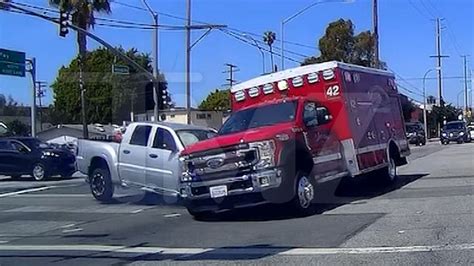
(239, 251)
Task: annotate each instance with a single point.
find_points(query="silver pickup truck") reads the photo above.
(146, 158)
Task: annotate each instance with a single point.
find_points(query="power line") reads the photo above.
(427, 9)
(238, 37)
(419, 10)
(129, 6)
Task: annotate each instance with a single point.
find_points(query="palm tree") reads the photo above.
(269, 38)
(83, 16)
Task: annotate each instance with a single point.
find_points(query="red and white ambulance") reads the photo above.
(293, 129)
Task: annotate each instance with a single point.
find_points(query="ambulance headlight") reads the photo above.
(444, 134)
(266, 154)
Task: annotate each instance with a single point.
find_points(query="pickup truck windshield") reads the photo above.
(259, 117)
(189, 137)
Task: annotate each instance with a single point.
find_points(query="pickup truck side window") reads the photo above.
(164, 140)
(140, 136)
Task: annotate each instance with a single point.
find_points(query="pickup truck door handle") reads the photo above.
(126, 151)
(154, 156)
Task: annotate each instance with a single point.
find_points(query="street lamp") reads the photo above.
(425, 123)
(259, 48)
(288, 19)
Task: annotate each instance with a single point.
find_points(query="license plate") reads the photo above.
(218, 191)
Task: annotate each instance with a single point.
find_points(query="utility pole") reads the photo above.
(232, 69)
(40, 94)
(466, 96)
(376, 33)
(188, 62)
(188, 47)
(155, 60)
(32, 71)
(438, 57)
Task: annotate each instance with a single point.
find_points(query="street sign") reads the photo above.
(120, 69)
(12, 63)
(12, 69)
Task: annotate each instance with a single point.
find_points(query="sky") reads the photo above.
(406, 30)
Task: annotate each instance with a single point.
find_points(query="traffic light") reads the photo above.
(63, 23)
(162, 96)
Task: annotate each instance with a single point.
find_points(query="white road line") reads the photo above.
(55, 196)
(238, 251)
(9, 194)
(72, 230)
(137, 211)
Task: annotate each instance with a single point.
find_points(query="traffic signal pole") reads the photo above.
(32, 71)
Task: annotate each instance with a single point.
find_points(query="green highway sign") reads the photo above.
(12, 69)
(12, 56)
(120, 69)
(12, 63)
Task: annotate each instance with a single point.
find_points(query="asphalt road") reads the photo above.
(426, 218)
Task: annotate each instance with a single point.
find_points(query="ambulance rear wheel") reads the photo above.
(390, 172)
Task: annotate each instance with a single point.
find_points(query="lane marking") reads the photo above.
(172, 215)
(55, 196)
(72, 230)
(239, 251)
(9, 194)
(137, 211)
(68, 226)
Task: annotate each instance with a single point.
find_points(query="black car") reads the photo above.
(415, 133)
(29, 156)
(455, 131)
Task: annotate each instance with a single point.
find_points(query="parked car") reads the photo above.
(455, 131)
(470, 128)
(290, 131)
(29, 156)
(146, 158)
(415, 133)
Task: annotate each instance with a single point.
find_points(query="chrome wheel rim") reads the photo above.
(38, 172)
(305, 192)
(98, 184)
(392, 169)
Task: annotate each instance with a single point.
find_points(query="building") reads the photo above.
(212, 119)
(69, 133)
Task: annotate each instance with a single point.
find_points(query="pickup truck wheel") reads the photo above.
(39, 172)
(302, 202)
(101, 184)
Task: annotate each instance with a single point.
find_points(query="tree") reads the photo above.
(269, 38)
(407, 109)
(83, 16)
(216, 100)
(111, 96)
(339, 43)
(439, 114)
(17, 128)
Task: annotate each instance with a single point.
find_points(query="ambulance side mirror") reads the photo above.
(323, 115)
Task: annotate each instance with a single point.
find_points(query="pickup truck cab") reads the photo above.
(146, 158)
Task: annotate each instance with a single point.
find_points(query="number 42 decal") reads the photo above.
(333, 91)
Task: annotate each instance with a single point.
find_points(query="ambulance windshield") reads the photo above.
(259, 116)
